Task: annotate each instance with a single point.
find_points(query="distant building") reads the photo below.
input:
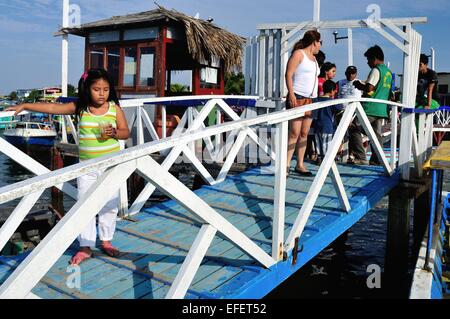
(22, 94)
(50, 94)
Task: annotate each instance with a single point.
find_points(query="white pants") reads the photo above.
(107, 216)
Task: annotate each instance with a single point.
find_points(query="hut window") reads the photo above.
(209, 73)
(129, 74)
(109, 36)
(147, 67)
(114, 63)
(143, 33)
(97, 55)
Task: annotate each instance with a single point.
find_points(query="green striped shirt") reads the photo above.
(92, 145)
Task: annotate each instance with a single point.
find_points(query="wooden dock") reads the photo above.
(155, 242)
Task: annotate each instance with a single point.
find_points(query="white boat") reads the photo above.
(31, 133)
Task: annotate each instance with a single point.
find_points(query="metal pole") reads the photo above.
(65, 50)
(350, 46)
(433, 61)
(316, 17)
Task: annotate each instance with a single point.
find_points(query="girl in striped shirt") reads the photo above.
(101, 124)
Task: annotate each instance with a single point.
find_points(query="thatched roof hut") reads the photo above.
(204, 39)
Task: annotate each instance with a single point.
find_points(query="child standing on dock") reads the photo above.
(324, 125)
(101, 124)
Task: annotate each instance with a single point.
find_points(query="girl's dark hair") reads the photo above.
(327, 66)
(84, 89)
(320, 57)
(308, 38)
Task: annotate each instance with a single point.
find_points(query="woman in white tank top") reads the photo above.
(302, 82)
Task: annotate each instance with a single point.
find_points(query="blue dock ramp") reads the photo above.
(154, 243)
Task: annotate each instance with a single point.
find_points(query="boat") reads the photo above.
(31, 133)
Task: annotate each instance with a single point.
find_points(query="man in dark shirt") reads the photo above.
(427, 95)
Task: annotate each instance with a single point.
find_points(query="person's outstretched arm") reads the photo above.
(49, 108)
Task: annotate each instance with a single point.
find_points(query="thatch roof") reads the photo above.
(204, 39)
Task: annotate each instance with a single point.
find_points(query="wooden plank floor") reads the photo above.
(156, 241)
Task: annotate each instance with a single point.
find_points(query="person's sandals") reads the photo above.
(108, 249)
(303, 173)
(79, 257)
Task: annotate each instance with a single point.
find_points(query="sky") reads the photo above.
(30, 54)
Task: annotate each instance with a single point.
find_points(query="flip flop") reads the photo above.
(303, 173)
(79, 257)
(109, 249)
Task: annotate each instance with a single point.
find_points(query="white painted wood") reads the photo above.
(33, 166)
(72, 128)
(350, 46)
(294, 32)
(340, 188)
(270, 64)
(139, 126)
(262, 66)
(320, 177)
(279, 200)
(163, 121)
(63, 130)
(390, 38)
(231, 156)
(340, 24)
(277, 64)
(254, 79)
(284, 57)
(227, 109)
(316, 16)
(394, 120)
(176, 190)
(192, 262)
(429, 132)
(43, 257)
(123, 192)
(388, 23)
(17, 216)
(65, 50)
(197, 165)
(365, 123)
(173, 155)
(218, 138)
(149, 125)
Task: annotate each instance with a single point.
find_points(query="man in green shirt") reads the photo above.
(378, 86)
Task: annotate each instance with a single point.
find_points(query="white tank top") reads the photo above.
(305, 78)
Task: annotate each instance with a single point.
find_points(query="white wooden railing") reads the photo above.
(118, 167)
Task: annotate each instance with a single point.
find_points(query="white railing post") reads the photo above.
(139, 126)
(163, 121)
(280, 190)
(394, 119)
